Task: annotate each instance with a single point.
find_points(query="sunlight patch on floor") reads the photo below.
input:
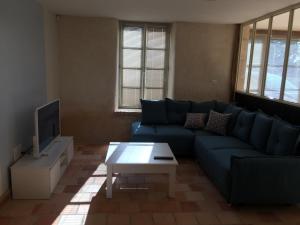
(76, 212)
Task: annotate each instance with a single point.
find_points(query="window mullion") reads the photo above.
(120, 102)
(265, 69)
(166, 69)
(251, 57)
(143, 70)
(287, 53)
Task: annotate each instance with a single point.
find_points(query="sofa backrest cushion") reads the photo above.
(261, 131)
(177, 110)
(202, 107)
(153, 112)
(283, 138)
(243, 125)
(220, 106)
(234, 111)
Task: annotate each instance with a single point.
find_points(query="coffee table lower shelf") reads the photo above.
(141, 169)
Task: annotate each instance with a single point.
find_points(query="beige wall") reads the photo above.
(203, 61)
(51, 55)
(88, 62)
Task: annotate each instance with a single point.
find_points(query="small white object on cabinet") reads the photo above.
(34, 178)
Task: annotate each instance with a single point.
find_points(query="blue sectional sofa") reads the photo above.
(255, 163)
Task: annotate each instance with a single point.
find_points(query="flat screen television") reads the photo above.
(47, 127)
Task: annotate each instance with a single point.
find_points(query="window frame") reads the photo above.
(144, 26)
(291, 9)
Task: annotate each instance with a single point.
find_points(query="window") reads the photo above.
(258, 58)
(143, 64)
(278, 41)
(269, 58)
(245, 52)
(292, 83)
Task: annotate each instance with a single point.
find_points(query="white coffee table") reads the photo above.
(138, 158)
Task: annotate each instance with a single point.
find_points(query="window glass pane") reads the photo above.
(132, 37)
(258, 60)
(130, 97)
(153, 94)
(154, 78)
(276, 56)
(292, 84)
(156, 37)
(131, 78)
(244, 57)
(155, 59)
(132, 58)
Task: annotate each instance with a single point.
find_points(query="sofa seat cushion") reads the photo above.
(138, 129)
(173, 130)
(180, 140)
(203, 133)
(142, 133)
(221, 142)
(223, 156)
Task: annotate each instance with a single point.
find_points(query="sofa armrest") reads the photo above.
(265, 180)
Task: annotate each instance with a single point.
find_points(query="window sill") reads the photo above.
(128, 111)
(269, 99)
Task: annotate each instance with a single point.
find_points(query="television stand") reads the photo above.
(36, 178)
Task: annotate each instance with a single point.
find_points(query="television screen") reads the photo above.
(47, 124)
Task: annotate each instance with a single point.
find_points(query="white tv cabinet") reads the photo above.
(36, 178)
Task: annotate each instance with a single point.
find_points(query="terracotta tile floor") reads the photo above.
(79, 199)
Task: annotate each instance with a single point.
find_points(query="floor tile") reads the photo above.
(206, 218)
(118, 219)
(141, 219)
(164, 219)
(229, 218)
(129, 207)
(185, 219)
(194, 195)
(96, 219)
(189, 206)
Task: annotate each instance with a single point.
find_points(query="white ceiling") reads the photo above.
(210, 11)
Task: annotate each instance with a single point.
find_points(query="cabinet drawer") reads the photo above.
(70, 151)
(55, 174)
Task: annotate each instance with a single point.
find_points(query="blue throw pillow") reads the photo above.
(243, 125)
(177, 111)
(234, 111)
(202, 107)
(153, 112)
(261, 131)
(283, 138)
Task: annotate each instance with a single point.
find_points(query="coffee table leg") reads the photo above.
(109, 182)
(172, 177)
